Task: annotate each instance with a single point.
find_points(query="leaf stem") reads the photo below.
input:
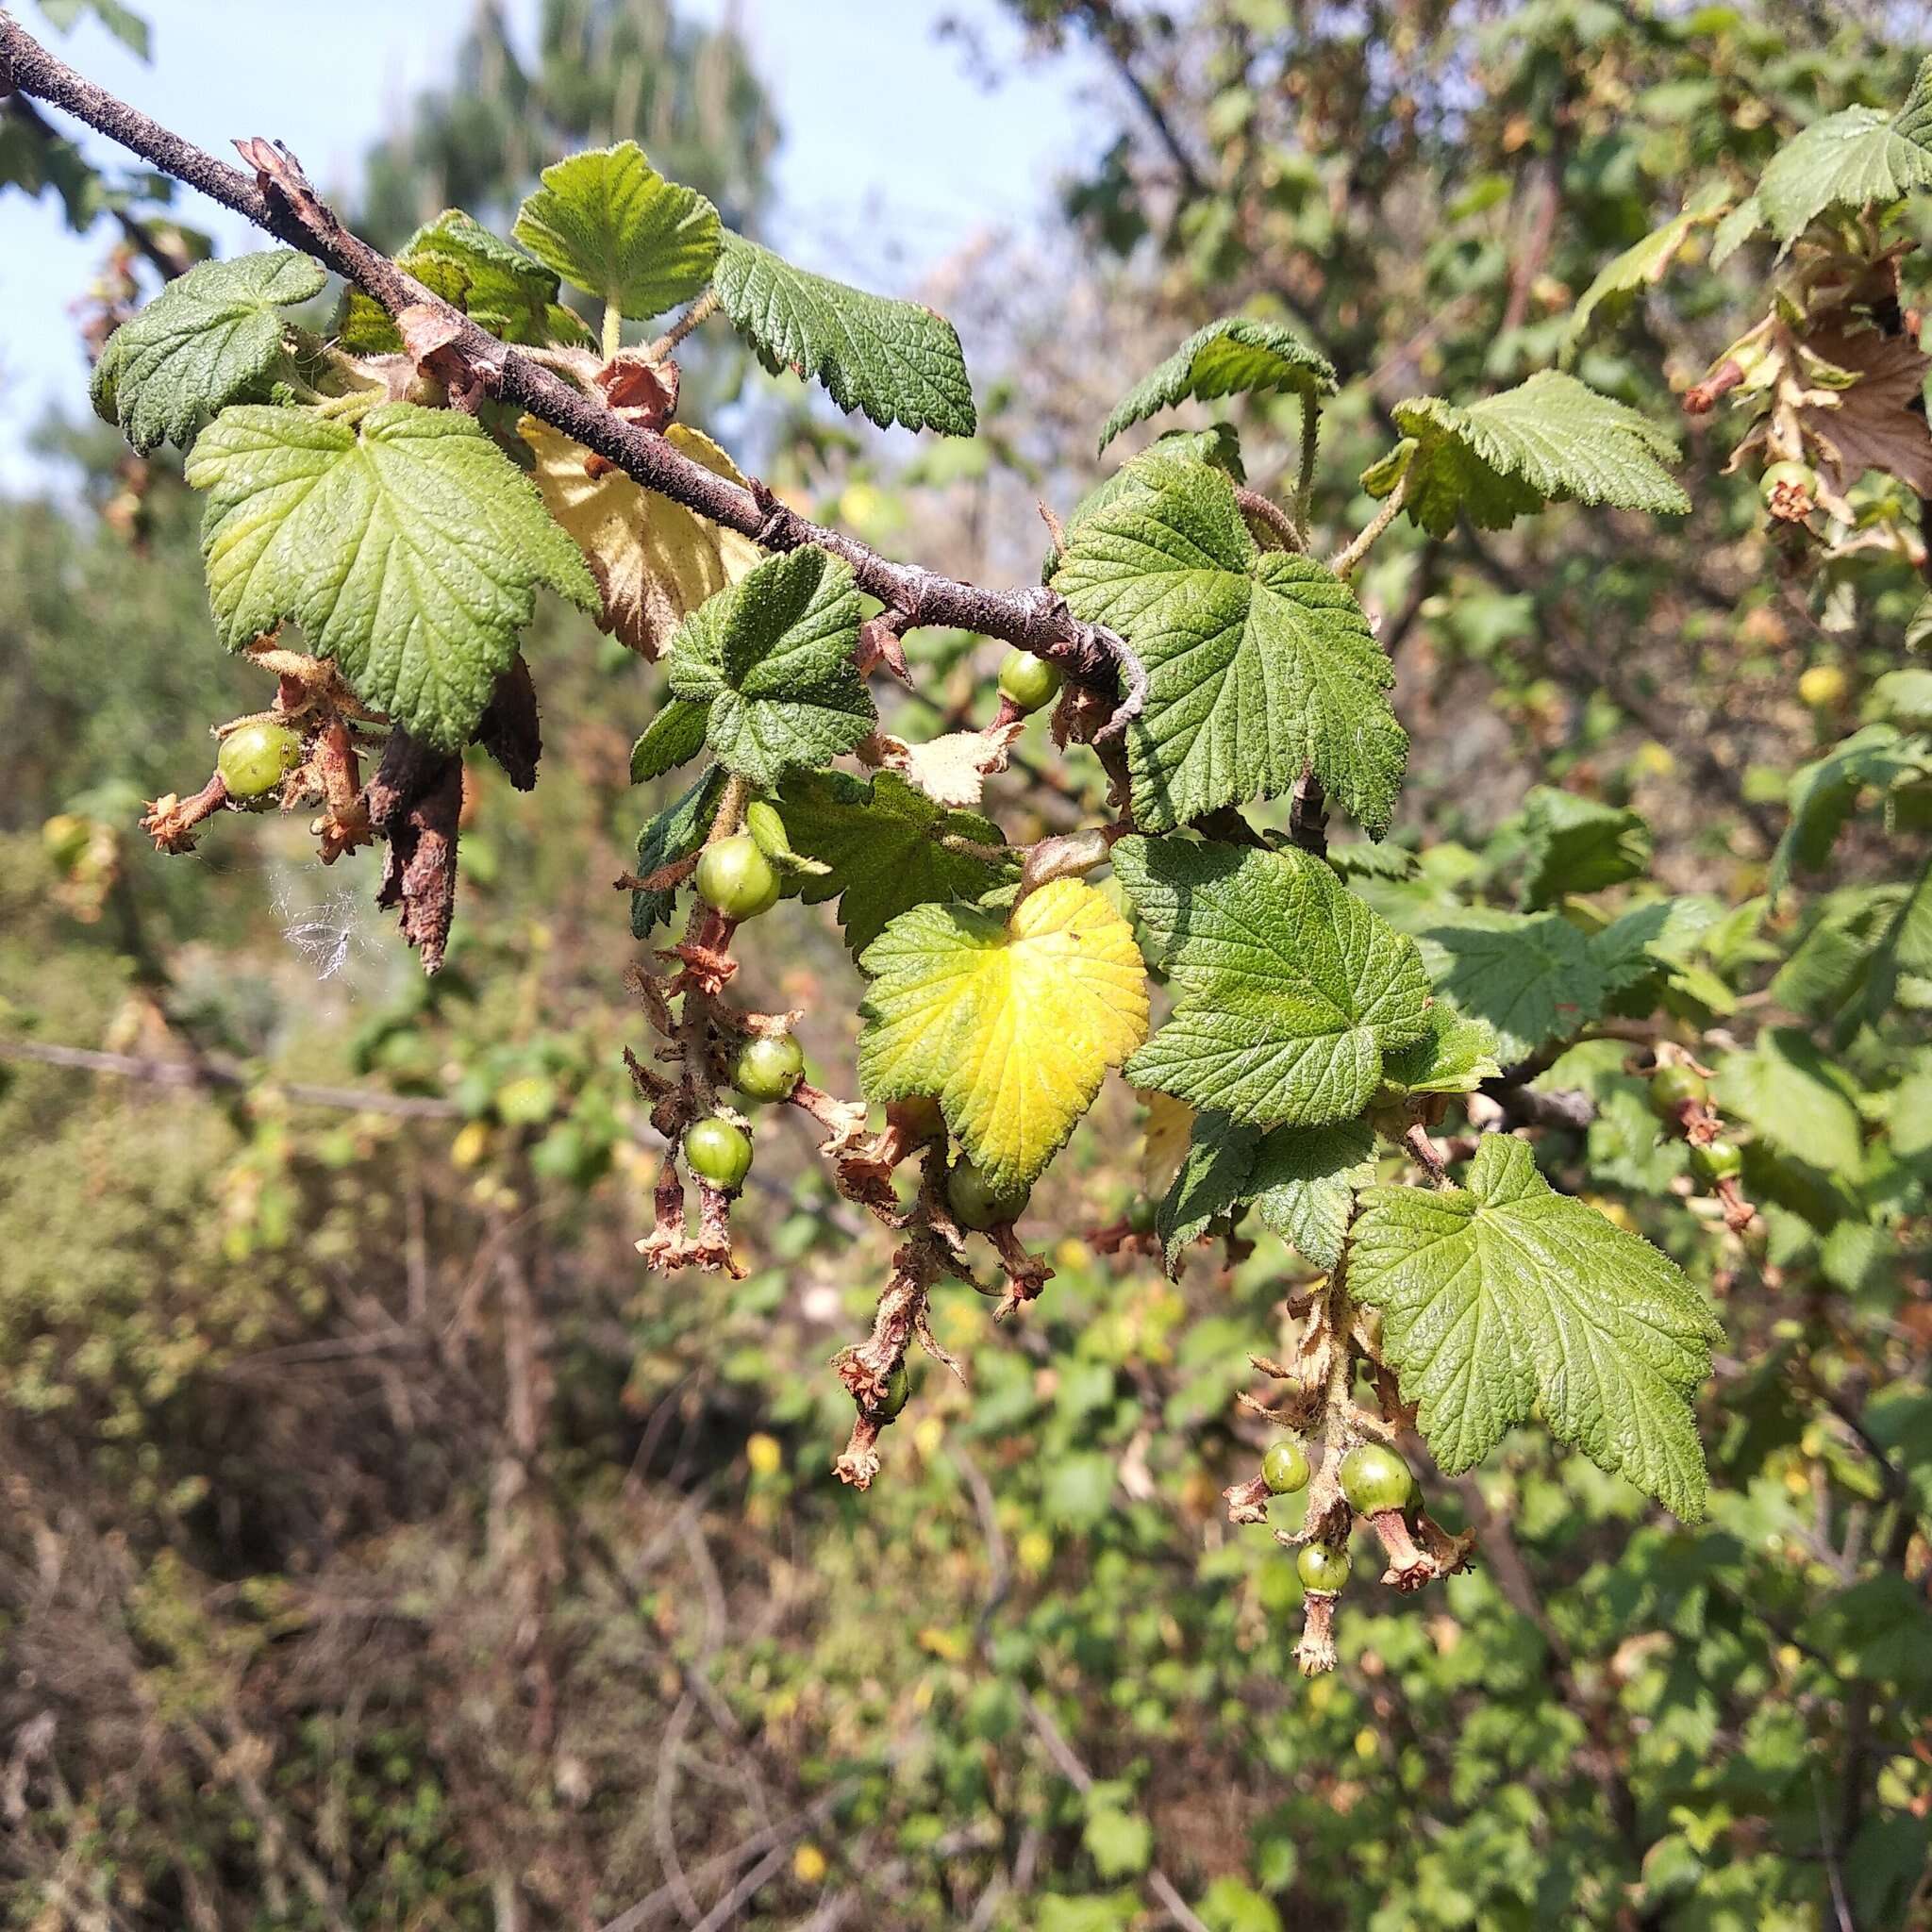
(693, 318)
(1345, 560)
(1305, 487)
(613, 331)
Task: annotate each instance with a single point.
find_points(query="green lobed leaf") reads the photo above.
(610, 225)
(1578, 845)
(1235, 356)
(1211, 1181)
(1787, 1090)
(1644, 263)
(1261, 663)
(1303, 1183)
(1550, 440)
(1823, 793)
(1534, 977)
(499, 288)
(880, 843)
(409, 548)
(771, 659)
(672, 738)
(896, 362)
(1456, 1054)
(1289, 990)
(1849, 159)
(670, 835)
(210, 337)
(1503, 1297)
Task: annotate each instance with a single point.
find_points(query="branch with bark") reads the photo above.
(278, 199)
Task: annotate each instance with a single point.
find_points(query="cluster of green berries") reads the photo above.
(1374, 1478)
(254, 759)
(1674, 1087)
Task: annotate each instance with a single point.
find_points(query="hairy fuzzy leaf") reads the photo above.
(499, 288)
(896, 361)
(1550, 440)
(208, 339)
(1502, 1297)
(1261, 663)
(675, 735)
(771, 659)
(881, 844)
(611, 225)
(409, 548)
(655, 561)
(1011, 1023)
(1289, 991)
(1849, 159)
(1232, 356)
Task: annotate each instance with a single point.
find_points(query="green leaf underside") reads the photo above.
(1578, 845)
(610, 225)
(208, 339)
(1301, 1182)
(1849, 159)
(1823, 793)
(880, 842)
(410, 552)
(896, 361)
(771, 660)
(672, 738)
(1535, 977)
(1503, 1296)
(1550, 440)
(499, 288)
(674, 833)
(1235, 356)
(1010, 1023)
(1259, 663)
(1289, 990)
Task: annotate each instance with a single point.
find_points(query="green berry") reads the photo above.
(1285, 1467)
(768, 1068)
(898, 1387)
(1674, 1086)
(1322, 1566)
(736, 878)
(976, 1203)
(718, 1152)
(1143, 1215)
(1028, 682)
(1717, 1160)
(1374, 1478)
(254, 760)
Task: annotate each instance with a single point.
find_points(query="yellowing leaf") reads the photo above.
(655, 561)
(1009, 1023)
(1164, 1137)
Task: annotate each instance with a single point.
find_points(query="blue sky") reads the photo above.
(876, 182)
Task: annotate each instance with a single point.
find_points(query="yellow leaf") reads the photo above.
(653, 560)
(1011, 1024)
(1164, 1137)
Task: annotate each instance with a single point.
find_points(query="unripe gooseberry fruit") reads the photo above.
(719, 1152)
(733, 877)
(976, 1203)
(1823, 685)
(768, 1068)
(898, 1388)
(1716, 1160)
(1285, 1467)
(254, 760)
(1028, 682)
(1375, 1478)
(1322, 1566)
(1674, 1086)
